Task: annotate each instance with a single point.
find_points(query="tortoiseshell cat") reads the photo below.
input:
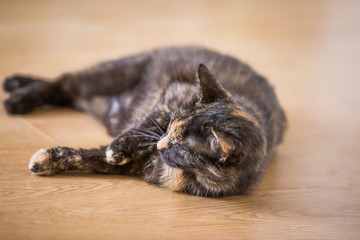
(205, 130)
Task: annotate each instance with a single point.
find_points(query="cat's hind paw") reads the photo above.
(21, 102)
(18, 81)
(41, 163)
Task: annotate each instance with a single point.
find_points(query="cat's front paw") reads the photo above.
(114, 157)
(41, 163)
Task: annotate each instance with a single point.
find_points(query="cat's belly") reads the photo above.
(122, 113)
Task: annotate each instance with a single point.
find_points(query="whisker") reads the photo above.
(147, 115)
(156, 125)
(149, 144)
(150, 132)
(144, 134)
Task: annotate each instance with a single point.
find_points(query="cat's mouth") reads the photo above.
(167, 157)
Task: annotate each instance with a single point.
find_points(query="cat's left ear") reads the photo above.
(224, 146)
(211, 89)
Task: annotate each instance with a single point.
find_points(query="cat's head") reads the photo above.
(213, 138)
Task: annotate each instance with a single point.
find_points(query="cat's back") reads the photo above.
(232, 73)
(238, 78)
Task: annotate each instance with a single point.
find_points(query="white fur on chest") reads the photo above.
(171, 178)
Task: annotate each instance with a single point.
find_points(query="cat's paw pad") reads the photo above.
(41, 164)
(115, 158)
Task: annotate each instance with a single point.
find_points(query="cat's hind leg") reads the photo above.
(62, 159)
(106, 79)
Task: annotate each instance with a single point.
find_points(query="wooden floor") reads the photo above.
(310, 51)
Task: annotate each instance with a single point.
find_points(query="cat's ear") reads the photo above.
(211, 90)
(224, 146)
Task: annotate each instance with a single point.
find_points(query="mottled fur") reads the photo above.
(205, 130)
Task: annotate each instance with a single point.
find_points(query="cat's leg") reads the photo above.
(125, 155)
(62, 159)
(106, 79)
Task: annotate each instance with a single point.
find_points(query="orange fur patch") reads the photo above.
(172, 178)
(174, 132)
(238, 113)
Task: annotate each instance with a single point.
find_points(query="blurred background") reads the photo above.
(308, 50)
(291, 42)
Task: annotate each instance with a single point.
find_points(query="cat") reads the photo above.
(187, 119)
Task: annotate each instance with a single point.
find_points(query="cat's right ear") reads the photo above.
(211, 90)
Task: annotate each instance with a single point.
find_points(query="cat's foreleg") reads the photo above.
(131, 146)
(61, 159)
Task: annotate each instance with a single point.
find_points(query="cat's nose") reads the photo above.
(162, 144)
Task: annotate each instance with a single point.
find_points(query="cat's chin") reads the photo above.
(170, 164)
(166, 159)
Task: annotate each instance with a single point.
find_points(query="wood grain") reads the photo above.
(309, 51)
